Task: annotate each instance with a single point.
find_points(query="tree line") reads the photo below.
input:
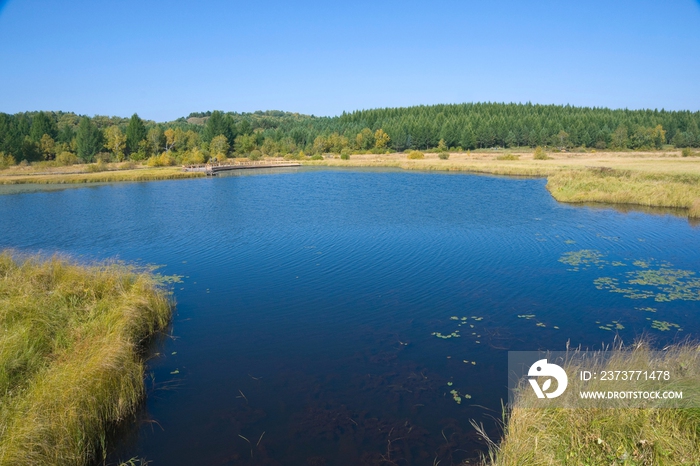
(66, 138)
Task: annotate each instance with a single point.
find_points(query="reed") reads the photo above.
(70, 360)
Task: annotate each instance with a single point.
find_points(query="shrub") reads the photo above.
(100, 166)
(540, 154)
(345, 156)
(416, 155)
(345, 151)
(508, 157)
(162, 160)
(128, 165)
(138, 156)
(444, 155)
(317, 157)
(6, 160)
(103, 156)
(67, 158)
(688, 152)
(255, 155)
(193, 157)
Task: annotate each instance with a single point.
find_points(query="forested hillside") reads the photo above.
(69, 138)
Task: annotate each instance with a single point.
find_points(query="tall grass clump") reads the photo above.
(540, 154)
(415, 155)
(70, 355)
(508, 157)
(536, 436)
(97, 167)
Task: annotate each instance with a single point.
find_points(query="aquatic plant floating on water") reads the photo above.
(458, 396)
(664, 326)
(454, 334)
(615, 325)
(662, 284)
(583, 259)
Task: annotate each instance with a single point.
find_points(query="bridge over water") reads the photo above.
(212, 168)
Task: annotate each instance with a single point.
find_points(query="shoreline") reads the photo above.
(647, 179)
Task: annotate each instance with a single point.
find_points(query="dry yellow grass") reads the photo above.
(79, 174)
(607, 436)
(69, 355)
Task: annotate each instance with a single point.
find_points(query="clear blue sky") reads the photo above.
(164, 59)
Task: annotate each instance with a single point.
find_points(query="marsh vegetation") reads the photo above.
(71, 365)
(597, 435)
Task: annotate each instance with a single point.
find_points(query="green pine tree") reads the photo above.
(135, 133)
(42, 124)
(88, 139)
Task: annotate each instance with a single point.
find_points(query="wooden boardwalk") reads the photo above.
(212, 168)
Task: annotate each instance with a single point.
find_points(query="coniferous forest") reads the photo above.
(67, 138)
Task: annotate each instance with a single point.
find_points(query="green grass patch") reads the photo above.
(70, 355)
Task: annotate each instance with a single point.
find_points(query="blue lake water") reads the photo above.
(313, 302)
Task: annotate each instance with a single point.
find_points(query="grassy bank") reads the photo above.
(79, 174)
(607, 436)
(626, 187)
(655, 179)
(69, 355)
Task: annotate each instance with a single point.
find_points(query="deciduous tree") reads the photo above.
(381, 139)
(48, 147)
(115, 142)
